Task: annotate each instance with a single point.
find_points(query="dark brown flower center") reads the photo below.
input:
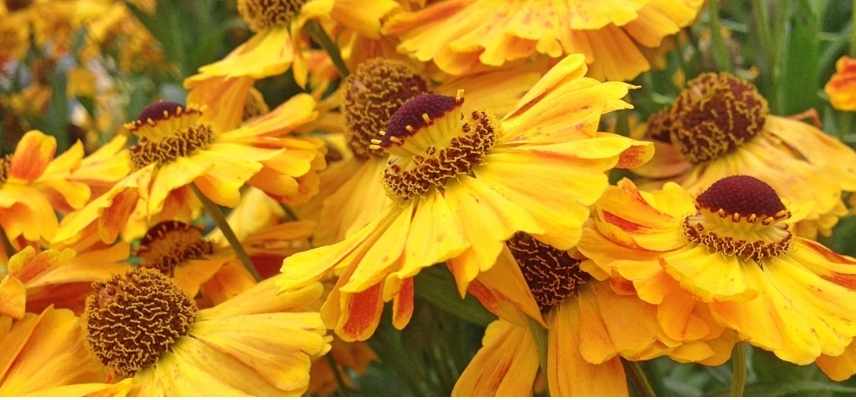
(15, 5)
(740, 216)
(5, 167)
(715, 114)
(267, 14)
(660, 125)
(551, 274)
(170, 243)
(167, 131)
(433, 142)
(742, 195)
(373, 93)
(134, 318)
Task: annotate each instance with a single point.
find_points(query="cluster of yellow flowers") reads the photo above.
(462, 134)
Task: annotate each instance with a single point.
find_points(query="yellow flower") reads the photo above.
(841, 87)
(177, 148)
(45, 354)
(257, 343)
(352, 191)
(462, 182)
(590, 325)
(719, 126)
(275, 46)
(730, 251)
(34, 184)
(462, 36)
(14, 35)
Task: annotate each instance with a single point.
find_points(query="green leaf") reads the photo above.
(799, 63)
(436, 286)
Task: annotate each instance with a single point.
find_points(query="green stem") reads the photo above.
(7, 245)
(738, 370)
(853, 32)
(720, 52)
(320, 36)
(220, 220)
(337, 373)
(639, 379)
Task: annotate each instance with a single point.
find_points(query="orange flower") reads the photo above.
(841, 87)
(177, 147)
(34, 185)
(464, 36)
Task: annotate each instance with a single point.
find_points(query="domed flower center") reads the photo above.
(715, 114)
(15, 5)
(134, 318)
(267, 14)
(170, 243)
(551, 274)
(373, 93)
(432, 141)
(167, 131)
(740, 216)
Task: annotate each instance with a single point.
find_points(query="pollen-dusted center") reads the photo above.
(134, 318)
(167, 131)
(740, 216)
(5, 167)
(170, 243)
(551, 274)
(373, 93)
(265, 14)
(660, 126)
(454, 148)
(715, 114)
(742, 195)
(15, 5)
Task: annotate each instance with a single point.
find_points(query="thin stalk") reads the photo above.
(337, 373)
(220, 220)
(539, 334)
(639, 379)
(7, 245)
(853, 32)
(738, 370)
(720, 52)
(320, 36)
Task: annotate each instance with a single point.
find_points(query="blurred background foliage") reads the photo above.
(91, 65)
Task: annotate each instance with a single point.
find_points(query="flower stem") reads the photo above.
(738, 370)
(320, 36)
(853, 32)
(7, 245)
(337, 373)
(720, 52)
(639, 379)
(220, 219)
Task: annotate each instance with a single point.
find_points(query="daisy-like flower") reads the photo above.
(729, 250)
(45, 354)
(590, 325)
(371, 95)
(141, 326)
(223, 86)
(462, 182)
(176, 147)
(462, 36)
(34, 184)
(720, 126)
(840, 88)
